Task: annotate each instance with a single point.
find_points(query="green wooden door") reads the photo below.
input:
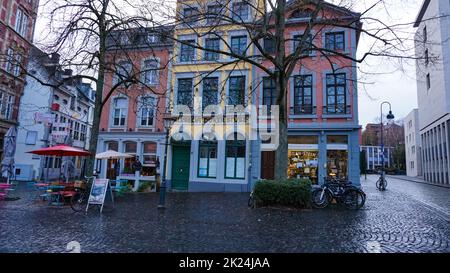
(180, 167)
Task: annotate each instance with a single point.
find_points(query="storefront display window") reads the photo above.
(149, 159)
(131, 149)
(235, 158)
(337, 157)
(304, 158)
(207, 159)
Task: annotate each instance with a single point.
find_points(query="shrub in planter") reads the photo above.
(290, 193)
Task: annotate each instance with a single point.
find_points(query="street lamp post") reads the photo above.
(390, 116)
(168, 121)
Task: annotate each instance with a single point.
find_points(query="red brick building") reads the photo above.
(17, 23)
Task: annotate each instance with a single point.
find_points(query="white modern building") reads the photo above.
(432, 43)
(413, 144)
(374, 157)
(48, 114)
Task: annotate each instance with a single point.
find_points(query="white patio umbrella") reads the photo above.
(112, 155)
(9, 150)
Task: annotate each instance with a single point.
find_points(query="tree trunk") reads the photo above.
(281, 154)
(98, 95)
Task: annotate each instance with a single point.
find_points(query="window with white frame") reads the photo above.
(213, 13)
(235, 157)
(120, 109)
(151, 38)
(83, 132)
(187, 51)
(123, 72)
(147, 111)
(9, 65)
(9, 107)
(190, 15)
(21, 26)
(210, 92)
(236, 90)
(149, 158)
(150, 69)
(31, 138)
(207, 158)
(335, 41)
(76, 131)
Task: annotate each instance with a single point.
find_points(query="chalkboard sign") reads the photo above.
(98, 193)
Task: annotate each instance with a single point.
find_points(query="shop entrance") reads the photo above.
(303, 158)
(337, 157)
(181, 155)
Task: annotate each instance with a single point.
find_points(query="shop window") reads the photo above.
(149, 158)
(304, 158)
(207, 159)
(337, 157)
(131, 149)
(235, 157)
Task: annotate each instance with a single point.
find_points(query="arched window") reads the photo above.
(123, 72)
(207, 157)
(235, 157)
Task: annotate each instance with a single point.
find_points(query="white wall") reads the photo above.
(412, 139)
(36, 98)
(435, 102)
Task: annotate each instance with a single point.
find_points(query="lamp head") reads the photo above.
(390, 116)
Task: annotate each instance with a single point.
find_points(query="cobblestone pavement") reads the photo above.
(392, 221)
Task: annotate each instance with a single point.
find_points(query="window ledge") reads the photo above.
(302, 116)
(337, 116)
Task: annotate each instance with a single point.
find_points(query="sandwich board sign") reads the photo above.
(98, 193)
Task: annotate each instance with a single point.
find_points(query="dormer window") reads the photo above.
(151, 38)
(301, 14)
(190, 15)
(240, 11)
(65, 102)
(56, 97)
(124, 39)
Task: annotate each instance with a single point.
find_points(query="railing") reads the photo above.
(337, 109)
(303, 110)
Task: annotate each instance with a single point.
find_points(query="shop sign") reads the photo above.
(304, 147)
(98, 193)
(43, 117)
(337, 147)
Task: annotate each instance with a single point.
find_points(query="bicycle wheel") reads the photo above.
(354, 199)
(381, 184)
(320, 199)
(78, 202)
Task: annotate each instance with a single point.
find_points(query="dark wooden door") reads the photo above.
(267, 165)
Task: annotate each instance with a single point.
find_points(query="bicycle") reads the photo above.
(340, 190)
(251, 200)
(381, 183)
(78, 201)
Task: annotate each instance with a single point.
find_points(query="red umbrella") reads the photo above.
(61, 150)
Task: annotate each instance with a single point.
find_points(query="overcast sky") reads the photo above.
(381, 79)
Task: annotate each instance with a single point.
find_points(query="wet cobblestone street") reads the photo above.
(397, 220)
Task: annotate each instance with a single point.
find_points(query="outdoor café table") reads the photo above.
(55, 194)
(3, 189)
(41, 189)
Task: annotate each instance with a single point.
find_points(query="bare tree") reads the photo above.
(268, 22)
(88, 35)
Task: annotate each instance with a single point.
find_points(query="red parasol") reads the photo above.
(61, 150)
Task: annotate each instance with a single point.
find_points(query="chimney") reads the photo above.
(55, 58)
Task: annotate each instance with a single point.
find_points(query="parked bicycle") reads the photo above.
(381, 183)
(343, 191)
(79, 200)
